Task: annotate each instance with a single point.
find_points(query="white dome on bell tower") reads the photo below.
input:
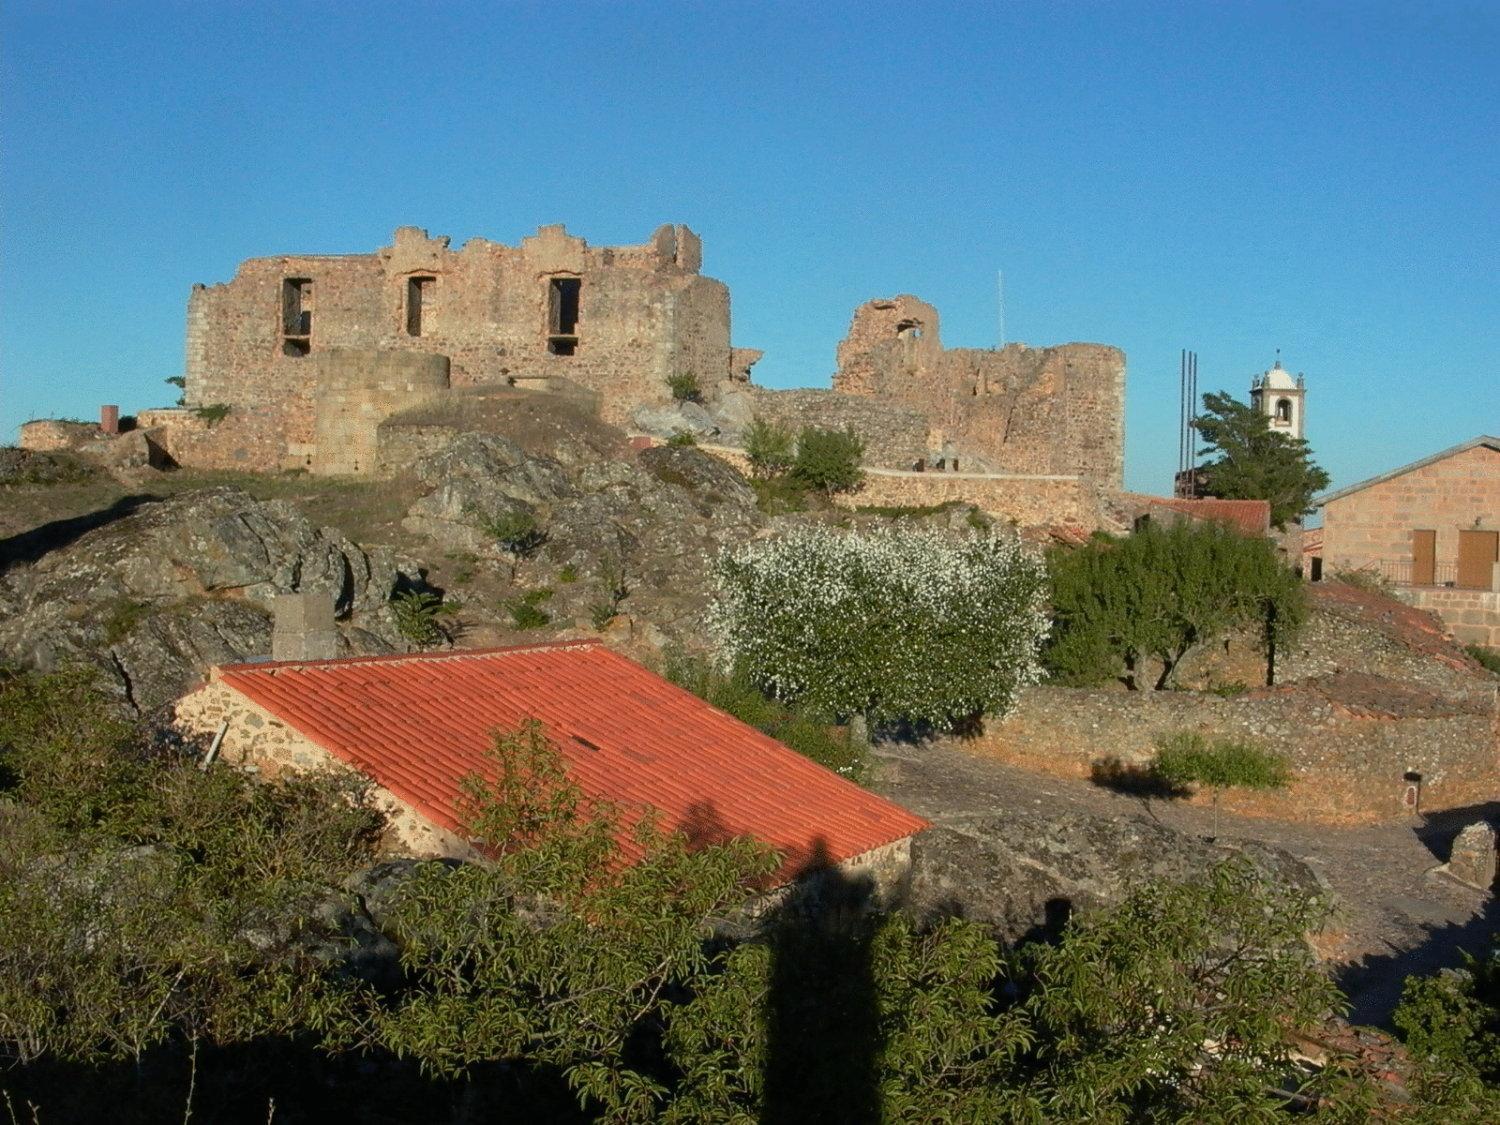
(1281, 398)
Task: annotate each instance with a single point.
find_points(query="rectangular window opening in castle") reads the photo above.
(563, 297)
(418, 290)
(296, 316)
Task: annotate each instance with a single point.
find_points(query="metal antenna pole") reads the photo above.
(1000, 286)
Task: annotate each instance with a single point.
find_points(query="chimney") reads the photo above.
(303, 627)
(109, 420)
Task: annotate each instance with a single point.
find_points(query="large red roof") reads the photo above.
(418, 724)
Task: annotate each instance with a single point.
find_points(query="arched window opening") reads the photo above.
(1284, 410)
(908, 330)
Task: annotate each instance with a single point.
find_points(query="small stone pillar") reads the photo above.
(109, 420)
(1472, 860)
(303, 627)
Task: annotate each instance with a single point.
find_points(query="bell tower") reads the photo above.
(1281, 398)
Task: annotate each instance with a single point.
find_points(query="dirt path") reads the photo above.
(1395, 917)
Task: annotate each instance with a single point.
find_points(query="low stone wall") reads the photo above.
(1349, 761)
(1027, 501)
(48, 435)
(257, 739)
(1472, 615)
(244, 440)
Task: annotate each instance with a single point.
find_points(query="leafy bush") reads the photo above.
(811, 735)
(568, 574)
(526, 610)
(1451, 1024)
(1489, 657)
(682, 438)
(778, 496)
(517, 533)
(419, 616)
(769, 448)
(1119, 605)
(827, 461)
(1362, 578)
(684, 387)
(214, 413)
(904, 626)
(1191, 758)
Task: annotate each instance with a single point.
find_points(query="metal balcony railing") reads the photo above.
(1399, 573)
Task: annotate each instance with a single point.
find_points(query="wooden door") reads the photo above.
(1477, 553)
(1423, 558)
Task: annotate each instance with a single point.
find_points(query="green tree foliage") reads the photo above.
(146, 900)
(1132, 608)
(1192, 758)
(517, 532)
(1451, 1024)
(419, 616)
(900, 625)
(1254, 462)
(770, 449)
(812, 735)
(685, 387)
(827, 461)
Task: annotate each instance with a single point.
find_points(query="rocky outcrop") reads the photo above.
(170, 587)
(1024, 872)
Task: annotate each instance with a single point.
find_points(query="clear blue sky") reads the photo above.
(1230, 178)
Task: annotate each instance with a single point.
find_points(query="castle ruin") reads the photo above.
(304, 361)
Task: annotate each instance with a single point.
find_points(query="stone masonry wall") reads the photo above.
(1473, 616)
(1349, 762)
(1035, 411)
(1026, 501)
(257, 740)
(644, 314)
(1375, 524)
(894, 436)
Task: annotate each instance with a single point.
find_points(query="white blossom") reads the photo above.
(902, 625)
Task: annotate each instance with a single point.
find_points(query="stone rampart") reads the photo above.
(358, 391)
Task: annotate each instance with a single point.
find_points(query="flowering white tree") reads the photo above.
(898, 625)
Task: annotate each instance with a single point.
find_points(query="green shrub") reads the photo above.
(769, 448)
(526, 612)
(1362, 578)
(1190, 758)
(827, 461)
(813, 736)
(419, 617)
(121, 616)
(684, 387)
(1451, 1025)
(1132, 608)
(568, 574)
(1489, 657)
(900, 625)
(214, 413)
(779, 496)
(681, 438)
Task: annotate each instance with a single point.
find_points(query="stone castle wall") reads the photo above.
(643, 314)
(1035, 411)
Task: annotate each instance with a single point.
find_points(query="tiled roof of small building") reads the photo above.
(418, 724)
(1253, 517)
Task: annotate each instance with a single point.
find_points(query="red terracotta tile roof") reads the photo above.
(1253, 517)
(418, 724)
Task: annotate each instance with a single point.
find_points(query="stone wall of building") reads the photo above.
(1351, 741)
(254, 739)
(48, 435)
(358, 390)
(1035, 411)
(1374, 524)
(1472, 616)
(249, 438)
(637, 316)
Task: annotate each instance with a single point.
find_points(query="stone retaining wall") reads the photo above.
(1473, 616)
(1349, 763)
